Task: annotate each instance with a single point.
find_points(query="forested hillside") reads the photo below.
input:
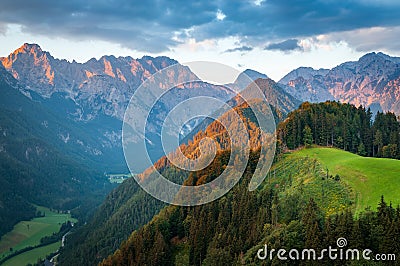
(298, 207)
(300, 204)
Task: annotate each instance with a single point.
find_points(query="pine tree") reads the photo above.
(311, 222)
(308, 138)
(361, 150)
(378, 142)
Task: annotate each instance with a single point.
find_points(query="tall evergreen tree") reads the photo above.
(308, 138)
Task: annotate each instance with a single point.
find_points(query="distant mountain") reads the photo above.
(243, 79)
(305, 72)
(276, 95)
(372, 81)
(95, 95)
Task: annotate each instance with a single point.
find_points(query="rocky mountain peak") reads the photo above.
(375, 58)
(157, 63)
(378, 56)
(29, 48)
(253, 74)
(303, 72)
(32, 58)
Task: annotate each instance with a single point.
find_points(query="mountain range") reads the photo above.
(104, 86)
(94, 95)
(372, 81)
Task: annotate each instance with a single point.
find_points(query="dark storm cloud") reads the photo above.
(152, 25)
(142, 25)
(239, 49)
(288, 45)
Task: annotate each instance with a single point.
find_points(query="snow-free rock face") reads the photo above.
(95, 94)
(97, 87)
(105, 84)
(373, 80)
(305, 72)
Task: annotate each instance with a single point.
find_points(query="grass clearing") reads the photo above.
(368, 177)
(29, 233)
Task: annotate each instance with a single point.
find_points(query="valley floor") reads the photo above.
(29, 233)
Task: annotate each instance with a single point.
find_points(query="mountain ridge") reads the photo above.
(97, 92)
(116, 76)
(372, 81)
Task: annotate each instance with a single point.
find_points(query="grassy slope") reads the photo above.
(369, 178)
(299, 178)
(32, 256)
(20, 237)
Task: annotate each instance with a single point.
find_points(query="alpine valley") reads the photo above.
(61, 135)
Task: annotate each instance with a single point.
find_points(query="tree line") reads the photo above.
(343, 126)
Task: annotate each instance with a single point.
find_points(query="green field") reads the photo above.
(33, 255)
(369, 178)
(118, 178)
(29, 233)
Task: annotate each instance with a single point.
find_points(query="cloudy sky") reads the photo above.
(271, 36)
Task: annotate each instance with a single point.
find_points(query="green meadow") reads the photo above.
(368, 178)
(33, 255)
(29, 233)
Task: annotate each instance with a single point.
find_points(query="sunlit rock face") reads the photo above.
(109, 81)
(372, 81)
(95, 94)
